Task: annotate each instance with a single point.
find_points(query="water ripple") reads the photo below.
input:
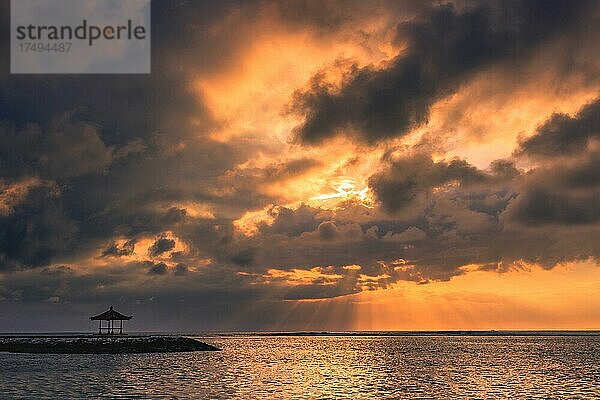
(301, 367)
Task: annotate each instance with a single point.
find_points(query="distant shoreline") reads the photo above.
(102, 344)
(313, 333)
(416, 333)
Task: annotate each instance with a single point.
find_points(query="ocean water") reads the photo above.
(322, 367)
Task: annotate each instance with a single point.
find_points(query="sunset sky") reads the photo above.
(313, 165)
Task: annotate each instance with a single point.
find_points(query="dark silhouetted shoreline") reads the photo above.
(102, 344)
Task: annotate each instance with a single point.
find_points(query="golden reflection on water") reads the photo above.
(307, 367)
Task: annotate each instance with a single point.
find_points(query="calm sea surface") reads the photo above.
(322, 367)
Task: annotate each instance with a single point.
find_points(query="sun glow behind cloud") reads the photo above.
(480, 123)
(530, 298)
(346, 191)
(292, 225)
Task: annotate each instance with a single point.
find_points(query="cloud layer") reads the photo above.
(149, 191)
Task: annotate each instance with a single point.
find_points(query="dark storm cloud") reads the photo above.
(129, 196)
(293, 222)
(444, 47)
(112, 152)
(564, 135)
(564, 193)
(544, 205)
(324, 18)
(180, 269)
(565, 189)
(114, 250)
(338, 257)
(62, 150)
(125, 106)
(158, 269)
(328, 230)
(244, 257)
(161, 246)
(446, 214)
(407, 179)
(38, 229)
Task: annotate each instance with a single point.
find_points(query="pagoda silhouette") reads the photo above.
(110, 317)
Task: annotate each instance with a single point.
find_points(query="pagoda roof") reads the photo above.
(110, 315)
